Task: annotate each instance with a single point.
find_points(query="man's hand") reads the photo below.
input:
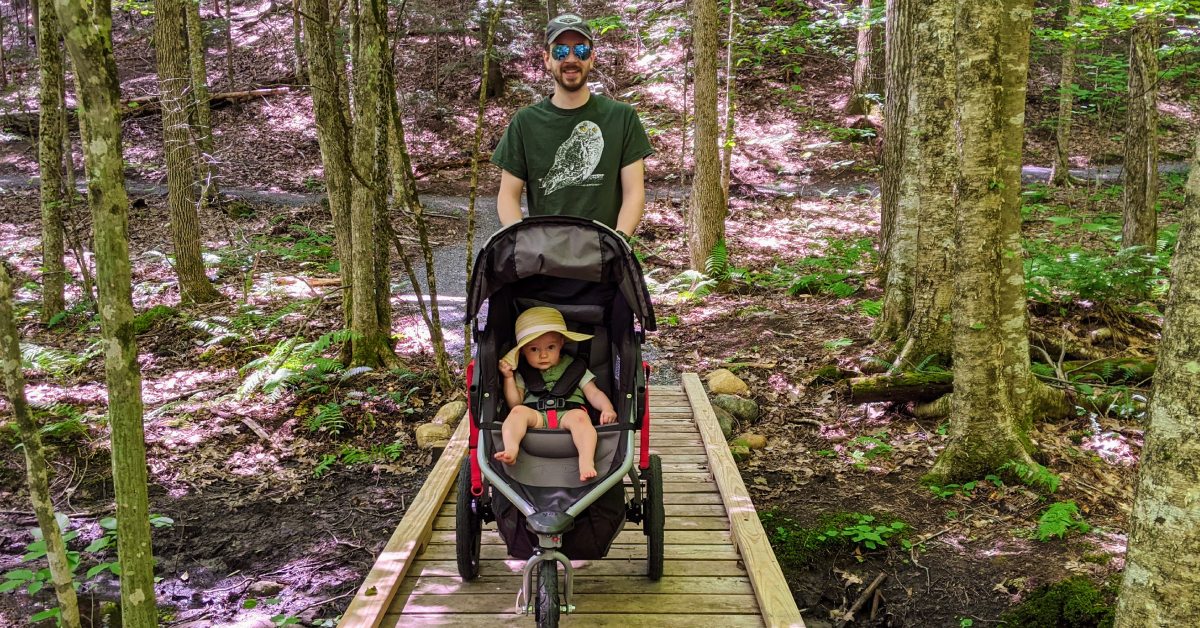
(608, 416)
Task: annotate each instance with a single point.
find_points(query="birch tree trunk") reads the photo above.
(50, 159)
(992, 380)
(333, 133)
(1162, 565)
(31, 439)
(706, 221)
(1140, 170)
(198, 65)
(174, 82)
(89, 40)
(1060, 174)
(372, 346)
(927, 330)
(898, 184)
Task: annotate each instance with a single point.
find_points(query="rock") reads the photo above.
(450, 413)
(264, 588)
(725, 420)
(744, 410)
(429, 434)
(722, 381)
(740, 452)
(754, 441)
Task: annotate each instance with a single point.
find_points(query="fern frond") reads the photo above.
(717, 264)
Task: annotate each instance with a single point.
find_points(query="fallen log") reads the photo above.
(922, 387)
(138, 106)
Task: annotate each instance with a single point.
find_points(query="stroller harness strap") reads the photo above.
(554, 399)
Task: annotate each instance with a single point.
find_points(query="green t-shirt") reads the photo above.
(571, 159)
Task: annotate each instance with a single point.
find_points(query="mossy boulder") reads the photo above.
(1076, 602)
(725, 420)
(742, 409)
(143, 322)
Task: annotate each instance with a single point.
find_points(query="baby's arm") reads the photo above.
(600, 401)
(513, 395)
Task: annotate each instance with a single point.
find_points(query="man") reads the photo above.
(575, 153)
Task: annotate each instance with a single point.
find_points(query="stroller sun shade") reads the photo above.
(562, 247)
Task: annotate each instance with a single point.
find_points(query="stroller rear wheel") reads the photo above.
(655, 518)
(546, 610)
(468, 526)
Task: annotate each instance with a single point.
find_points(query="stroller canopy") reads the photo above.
(563, 247)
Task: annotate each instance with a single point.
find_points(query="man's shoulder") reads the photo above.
(532, 109)
(610, 104)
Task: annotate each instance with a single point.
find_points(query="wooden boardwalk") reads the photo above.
(719, 569)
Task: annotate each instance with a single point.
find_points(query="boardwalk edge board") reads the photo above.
(373, 597)
(774, 597)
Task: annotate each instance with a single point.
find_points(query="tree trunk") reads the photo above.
(1140, 170)
(992, 380)
(174, 81)
(228, 17)
(31, 439)
(297, 44)
(200, 106)
(89, 40)
(927, 331)
(1162, 565)
(494, 12)
(1060, 174)
(862, 99)
(50, 160)
(333, 134)
(706, 224)
(898, 187)
(730, 73)
(372, 346)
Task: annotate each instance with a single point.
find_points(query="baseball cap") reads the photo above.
(567, 22)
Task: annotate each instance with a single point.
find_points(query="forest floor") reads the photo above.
(280, 503)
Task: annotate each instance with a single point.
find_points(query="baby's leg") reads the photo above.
(519, 419)
(583, 434)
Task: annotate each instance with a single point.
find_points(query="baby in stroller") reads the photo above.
(541, 334)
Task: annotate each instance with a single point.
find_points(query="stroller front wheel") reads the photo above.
(546, 610)
(654, 522)
(468, 526)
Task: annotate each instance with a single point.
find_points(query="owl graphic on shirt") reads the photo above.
(575, 158)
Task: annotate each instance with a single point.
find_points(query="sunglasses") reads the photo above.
(560, 51)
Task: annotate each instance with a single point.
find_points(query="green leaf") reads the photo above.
(19, 574)
(109, 523)
(46, 614)
(91, 573)
(34, 586)
(9, 585)
(98, 544)
(250, 603)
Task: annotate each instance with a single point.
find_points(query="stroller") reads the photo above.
(542, 511)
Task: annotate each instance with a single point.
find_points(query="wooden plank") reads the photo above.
(367, 607)
(639, 620)
(581, 583)
(599, 603)
(440, 551)
(605, 567)
(774, 597)
(631, 535)
(672, 523)
(709, 497)
(694, 510)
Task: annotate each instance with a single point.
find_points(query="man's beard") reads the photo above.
(583, 74)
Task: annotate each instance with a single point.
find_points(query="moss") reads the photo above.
(1073, 603)
(144, 321)
(796, 546)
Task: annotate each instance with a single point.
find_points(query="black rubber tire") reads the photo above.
(546, 610)
(655, 518)
(468, 528)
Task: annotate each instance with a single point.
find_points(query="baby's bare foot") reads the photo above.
(586, 472)
(509, 458)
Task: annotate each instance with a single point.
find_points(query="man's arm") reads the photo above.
(508, 201)
(633, 197)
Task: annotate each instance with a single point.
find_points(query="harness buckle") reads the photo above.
(551, 403)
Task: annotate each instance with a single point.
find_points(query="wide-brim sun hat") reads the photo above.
(537, 321)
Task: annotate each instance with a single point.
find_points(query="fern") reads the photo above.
(717, 264)
(327, 418)
(870, 308)
(55, 362)
(1036, 476)
(293, 363)
(1059, 520)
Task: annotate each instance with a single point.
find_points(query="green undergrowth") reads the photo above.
(797, 545)
(1073, 603)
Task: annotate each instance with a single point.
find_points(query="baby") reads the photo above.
(541, 333)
